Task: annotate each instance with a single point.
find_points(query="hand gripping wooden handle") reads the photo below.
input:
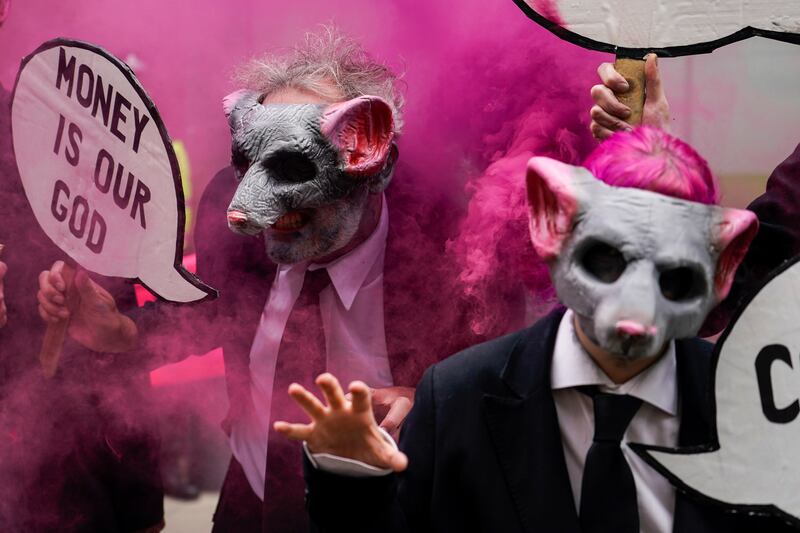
(55, 333)
(633, 72)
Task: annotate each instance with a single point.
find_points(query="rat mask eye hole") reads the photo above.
(603, 262)
(293, 167)
(681, 283)
(240, 164)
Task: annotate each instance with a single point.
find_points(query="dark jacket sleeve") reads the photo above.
(778, 238)
(396, 503)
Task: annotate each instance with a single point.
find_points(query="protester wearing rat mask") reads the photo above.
(326, 266)
(527, 432)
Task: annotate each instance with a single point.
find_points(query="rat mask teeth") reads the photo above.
(291, 221)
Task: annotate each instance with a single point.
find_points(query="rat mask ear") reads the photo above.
(236, 106)
(363, 131)
(553, 190)
(732, 237)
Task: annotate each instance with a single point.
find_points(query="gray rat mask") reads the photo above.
(638, 268)
(306, 170)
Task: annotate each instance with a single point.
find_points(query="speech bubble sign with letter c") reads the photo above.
(632, 28)
(98, 168)
(753, 465)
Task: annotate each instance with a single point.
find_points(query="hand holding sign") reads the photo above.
(99, 172)
(71, 300)
(609, 113)
(632, 28)
(753, 465)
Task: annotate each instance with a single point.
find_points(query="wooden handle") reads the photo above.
(633, 72)
(55, 333)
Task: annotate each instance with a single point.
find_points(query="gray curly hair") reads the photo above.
(328, 63)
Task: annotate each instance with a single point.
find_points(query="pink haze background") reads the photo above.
(486, 88)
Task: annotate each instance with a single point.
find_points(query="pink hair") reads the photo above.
(493, 248)
(648, 158)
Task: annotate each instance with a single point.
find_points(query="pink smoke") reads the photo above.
(486, 89)
(529, 110)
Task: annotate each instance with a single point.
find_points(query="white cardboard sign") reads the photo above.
(753, 466)
(632, 28)
(98, 168)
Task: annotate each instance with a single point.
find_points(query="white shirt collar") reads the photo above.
(572, 367)
(349, 272)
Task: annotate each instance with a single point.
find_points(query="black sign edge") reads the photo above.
(638, 53)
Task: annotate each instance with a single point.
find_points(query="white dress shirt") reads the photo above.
(352, 318)
(657, 421)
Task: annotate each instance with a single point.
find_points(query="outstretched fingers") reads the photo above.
(294, 431)
(360, 395)
(332, 390)
(310, 404)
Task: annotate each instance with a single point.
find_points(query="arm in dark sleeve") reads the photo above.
(778, 238)
(778, 212)
(395, 503)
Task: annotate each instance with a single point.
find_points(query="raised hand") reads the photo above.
(609, 114)
(94, 320)
(345, 427)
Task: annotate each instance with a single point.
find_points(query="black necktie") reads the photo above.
(301, 358)
(608, 492)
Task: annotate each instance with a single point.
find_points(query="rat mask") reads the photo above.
(638, 268)
(306, 170)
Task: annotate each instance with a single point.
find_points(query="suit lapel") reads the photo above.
(526, 436)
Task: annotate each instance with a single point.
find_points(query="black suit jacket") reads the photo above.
(485, 451)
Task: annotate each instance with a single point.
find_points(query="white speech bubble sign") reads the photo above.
(753, 465)
(632, 28)
(98, 168)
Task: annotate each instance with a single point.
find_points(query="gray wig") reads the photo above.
(328, 63)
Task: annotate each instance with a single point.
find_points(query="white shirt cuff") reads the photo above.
(343, 466)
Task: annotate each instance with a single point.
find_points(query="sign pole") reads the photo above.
(633, 72)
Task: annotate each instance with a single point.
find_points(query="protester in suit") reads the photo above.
(314, 150)
(500, 437)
